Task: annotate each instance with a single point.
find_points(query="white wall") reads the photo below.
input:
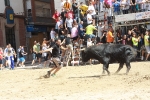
(58, 5)
(2, 6)
(17, 6)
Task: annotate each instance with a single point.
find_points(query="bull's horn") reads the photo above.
(82, 49)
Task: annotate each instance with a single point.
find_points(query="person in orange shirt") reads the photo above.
(110, 37)
(67, 5)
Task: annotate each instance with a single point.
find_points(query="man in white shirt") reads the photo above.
(89, 18)
(68, 24)
(100, 30)
(52, 34)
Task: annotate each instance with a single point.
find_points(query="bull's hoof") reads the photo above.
(108, 74)
(103, 73)
(126, 73)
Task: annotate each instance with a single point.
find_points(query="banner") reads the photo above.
(142, 15)
(125, 17)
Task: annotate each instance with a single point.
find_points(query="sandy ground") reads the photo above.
(77, 83)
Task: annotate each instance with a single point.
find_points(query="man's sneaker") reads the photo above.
(53, 75)
(48, 74)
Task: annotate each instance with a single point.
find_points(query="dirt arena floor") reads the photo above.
(77, 83)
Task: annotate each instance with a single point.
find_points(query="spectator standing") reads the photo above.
(124, 6)
(116, 6)
(100, 31)
(45, 54)
(135, 41)
(129, 38)
(39, 55)
(58, 23)
(36, 53)
(110, 37)
(62, 3)
(101, 5)
(119, 38)
(9, 53)
(18, 51)
(133, 6)
(103, 37)
(75, 9)
(147, 5)
(68, 24)
(61, 33)
(81, 30)
(89, 18)
(52, 34)
(124, 40)
(22, 53)
(67, 5)
(93, 12)
(74, 32)
(147, 44)
(56, 15)
(84, 8)
(108, 11)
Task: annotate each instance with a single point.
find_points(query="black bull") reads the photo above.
(110, 53)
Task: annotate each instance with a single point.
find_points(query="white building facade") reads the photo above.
(12, 26)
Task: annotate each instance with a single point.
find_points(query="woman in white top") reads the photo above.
(92, 10)
(124, 6)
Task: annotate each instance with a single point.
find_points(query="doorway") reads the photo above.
(10, 36)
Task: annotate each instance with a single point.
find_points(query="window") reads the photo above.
(7, 2)
(46, 12)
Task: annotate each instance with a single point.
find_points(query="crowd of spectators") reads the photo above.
(81, 22)
(77, 26)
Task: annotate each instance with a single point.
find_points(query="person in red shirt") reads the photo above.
(56, 15)
(1, 58)
(69, 13)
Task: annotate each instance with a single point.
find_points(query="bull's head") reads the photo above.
(84, 55)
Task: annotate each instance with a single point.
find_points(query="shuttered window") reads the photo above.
(7, 2)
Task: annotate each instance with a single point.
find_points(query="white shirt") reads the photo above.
(91, 7)
(52, 34)
(109, 11)
(89, 17)
(6, 51)
(100, 29)
(89, 43)
(147, 6)
(44, 54)
(125, 5)
(69, 22)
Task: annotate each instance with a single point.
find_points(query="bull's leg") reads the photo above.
(105, 67)
(120, 67)
(128, 67)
